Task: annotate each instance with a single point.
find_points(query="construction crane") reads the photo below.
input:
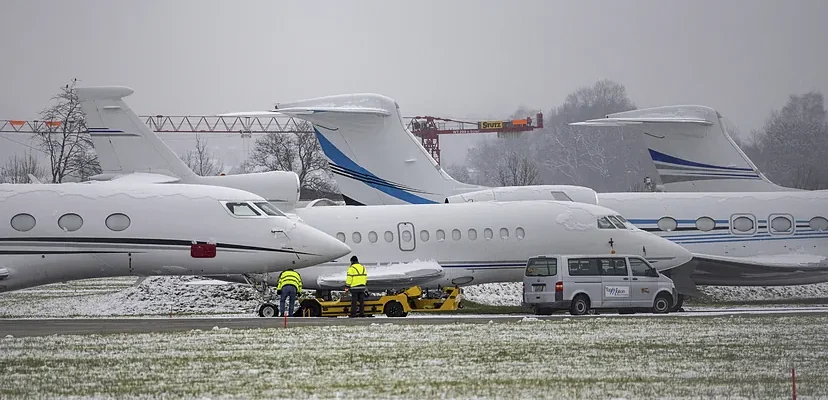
(429, 129)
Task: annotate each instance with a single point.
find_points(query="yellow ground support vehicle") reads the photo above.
(393, 305)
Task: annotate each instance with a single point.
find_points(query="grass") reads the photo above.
(592, 357)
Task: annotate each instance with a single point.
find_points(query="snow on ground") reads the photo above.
(591, 357)
(509, 294)
(192, 295)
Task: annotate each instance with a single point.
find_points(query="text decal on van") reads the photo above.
(616, 291)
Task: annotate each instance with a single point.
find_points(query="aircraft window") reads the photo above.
(781, 224)
(441, 235)
(117, 222)
(542, 267)
(389, 236)
(242, 209)
(356, 237)
(424, 235)
(472, 234)
(520, 233)
(667, 224)
(640, 268)
(583, 267)
(618, 224)
(622, 219)
(488, 234)
(406, 236)
(372, 237)
(504, 233)
(705, 224)
(23, 222)
(340, 236)
(70, 222)
(818, 224)
(455, 234)
(603, 223)
(269, 209)
(743, 224)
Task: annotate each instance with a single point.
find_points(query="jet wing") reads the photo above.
(768, 270)
(135, 178)
(394, 276)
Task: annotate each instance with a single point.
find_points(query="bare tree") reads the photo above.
(517, 170)
(65, 139)
(791, 146)
(505, 162)
(300, 153)
(201, 160)
(459, 173)
(18, 168)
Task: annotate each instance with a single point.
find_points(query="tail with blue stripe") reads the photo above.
(692, 150)
(374, 158)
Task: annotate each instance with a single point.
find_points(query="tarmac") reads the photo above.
(23, 327)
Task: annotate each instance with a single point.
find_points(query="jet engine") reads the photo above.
(578, 194)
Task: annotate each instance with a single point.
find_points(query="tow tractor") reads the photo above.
(392, 304)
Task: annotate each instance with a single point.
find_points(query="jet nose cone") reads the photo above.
(669, 254)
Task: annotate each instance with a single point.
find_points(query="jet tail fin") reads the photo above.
(125, 144)
(374, 158)
(691, 149)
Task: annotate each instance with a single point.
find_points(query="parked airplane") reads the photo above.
(63, 232)
(770, 238)
(691, 149)
(469, 243)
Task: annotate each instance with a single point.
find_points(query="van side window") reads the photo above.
(584, 267)
(542, 267)
(603, 223)
(613, 267)
(640, 268)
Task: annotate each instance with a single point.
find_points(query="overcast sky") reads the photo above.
(472, 58)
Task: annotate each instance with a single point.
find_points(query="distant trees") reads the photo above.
(300, 153)
(201, 160)
(791, 147)
(65, 139)
(18, 167)
(608, 159)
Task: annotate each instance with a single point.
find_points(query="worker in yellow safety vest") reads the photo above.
(290, 284)
(357, 282)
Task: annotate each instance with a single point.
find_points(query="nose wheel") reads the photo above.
(265, 295)
(268, 310)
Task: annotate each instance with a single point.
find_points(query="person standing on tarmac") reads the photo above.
(290, 284)
(357, 282)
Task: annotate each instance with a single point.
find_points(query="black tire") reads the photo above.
(662, 303)
(268, 310)
(394, 309)
(313, 306)
(580, 305)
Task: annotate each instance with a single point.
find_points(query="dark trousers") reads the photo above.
(358, 296)
(289, 294)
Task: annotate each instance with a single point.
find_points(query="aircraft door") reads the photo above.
(405, 232)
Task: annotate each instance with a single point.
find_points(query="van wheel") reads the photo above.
(580, 305)
(662, 304)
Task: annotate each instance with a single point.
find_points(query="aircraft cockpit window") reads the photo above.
(560, 196)
(242, 209)
(622, 219)
(603, 223)
(269, 209)
(618, 224)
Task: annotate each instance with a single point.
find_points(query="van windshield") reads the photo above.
(542, 267)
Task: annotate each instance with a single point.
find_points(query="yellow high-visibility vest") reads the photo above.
(357, 276)
(290, 278)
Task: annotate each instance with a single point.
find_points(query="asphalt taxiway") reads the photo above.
(22, 327)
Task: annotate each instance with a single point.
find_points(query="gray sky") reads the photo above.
(475, 58)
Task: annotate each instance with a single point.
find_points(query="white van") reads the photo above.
(581, 283)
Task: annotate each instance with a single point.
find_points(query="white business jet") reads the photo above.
(691, 149)
(771, 238)
(60, 232)
(456, 244)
